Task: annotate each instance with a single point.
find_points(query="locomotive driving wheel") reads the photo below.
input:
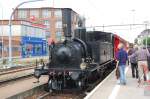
(81, 84)
(50, 86)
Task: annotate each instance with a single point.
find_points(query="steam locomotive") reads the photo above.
(80, 59)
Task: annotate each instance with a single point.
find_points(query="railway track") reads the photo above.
(16, 70)
(70, 94)
(16, 74)
(61, 96)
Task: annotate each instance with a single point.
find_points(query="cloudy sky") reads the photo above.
(97, 13)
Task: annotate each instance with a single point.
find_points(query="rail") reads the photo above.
(17, 70)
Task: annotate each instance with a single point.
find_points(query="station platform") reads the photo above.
(110, 89)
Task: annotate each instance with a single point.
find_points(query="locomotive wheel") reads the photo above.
(50, 86)
(81, 84)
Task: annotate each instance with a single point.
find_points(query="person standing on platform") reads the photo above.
(133, 61)
(142, 55)
(51, 44)
(122, 58)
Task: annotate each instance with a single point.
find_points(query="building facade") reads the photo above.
(51, 17)
(28, 39)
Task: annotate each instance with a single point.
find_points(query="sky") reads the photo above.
(97, 13)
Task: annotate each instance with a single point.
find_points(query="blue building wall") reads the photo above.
(32, 46)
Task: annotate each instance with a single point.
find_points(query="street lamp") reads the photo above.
(10, 31)
(133, 12)
(2, 45)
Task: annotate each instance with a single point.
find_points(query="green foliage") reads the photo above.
(148, 41)
(4, 61)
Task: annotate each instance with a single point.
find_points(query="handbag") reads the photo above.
(117, 73)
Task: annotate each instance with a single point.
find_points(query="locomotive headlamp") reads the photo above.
(83, 65)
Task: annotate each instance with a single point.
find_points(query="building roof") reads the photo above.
(145, 32)
(46, 8)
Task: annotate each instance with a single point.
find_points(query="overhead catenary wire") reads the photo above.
(117, 25)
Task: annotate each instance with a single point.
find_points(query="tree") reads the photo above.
(148, 41)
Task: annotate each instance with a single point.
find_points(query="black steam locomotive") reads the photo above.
(79, 60)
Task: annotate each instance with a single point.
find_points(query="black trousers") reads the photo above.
(134, 68)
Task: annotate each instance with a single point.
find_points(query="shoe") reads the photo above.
(139, 81)
(124, 83)
(119, 84)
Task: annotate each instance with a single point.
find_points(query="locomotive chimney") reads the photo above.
(66, 21)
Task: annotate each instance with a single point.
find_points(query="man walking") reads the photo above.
(122, 58)
(133, 61)
(142, 54)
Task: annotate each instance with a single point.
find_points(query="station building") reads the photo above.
(28, 39)
(52, 18)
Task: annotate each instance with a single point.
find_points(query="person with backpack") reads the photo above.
(122, 58)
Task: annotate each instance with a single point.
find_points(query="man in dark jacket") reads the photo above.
(133, 61)
(122, 58)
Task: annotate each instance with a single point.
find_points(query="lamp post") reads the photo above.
(133, 17)
(10, 31)
(2, 45)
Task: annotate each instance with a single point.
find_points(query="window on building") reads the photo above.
(32, 31)
(47, 33)
(58, 13)
(16, 48)
(34, 13)
(24, 30)
(58, 36)
(40, 34)
(59, 24)
(43, 31)
(28, 50)
(38, 49)
(46, 22)
(29, 31)
(46, 13)
(22, 14)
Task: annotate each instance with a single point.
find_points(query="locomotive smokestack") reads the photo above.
(66, 17)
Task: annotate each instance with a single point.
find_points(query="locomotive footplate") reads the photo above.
(94, 66)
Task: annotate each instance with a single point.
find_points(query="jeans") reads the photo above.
(122, 74)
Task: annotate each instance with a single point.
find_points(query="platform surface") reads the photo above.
(110, 89)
